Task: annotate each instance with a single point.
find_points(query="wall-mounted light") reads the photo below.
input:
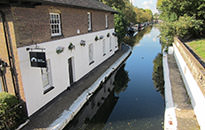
(101, 37)
(59, 49)
(71, 46)
(82, 43)
(114, 34)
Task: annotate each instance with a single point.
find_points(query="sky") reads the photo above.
(146, 4)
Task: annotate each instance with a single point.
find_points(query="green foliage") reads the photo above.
(127, 16)
(11, 113)
(182, 18)
(96, 38)
(157, 75)
(120, 26)
(156, 16)
(143, 15)
(129, 13)
(167, 33)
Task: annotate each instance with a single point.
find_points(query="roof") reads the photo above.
(91, 4)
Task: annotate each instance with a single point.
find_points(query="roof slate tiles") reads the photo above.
(92, 4)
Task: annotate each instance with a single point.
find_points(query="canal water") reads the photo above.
(129, 99)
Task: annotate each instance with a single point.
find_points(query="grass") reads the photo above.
(198, 46)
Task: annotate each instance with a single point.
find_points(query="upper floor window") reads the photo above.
(55, 24)
(106, 21)
(89, 21)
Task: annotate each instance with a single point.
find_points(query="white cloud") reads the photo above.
(147, 4)
(150, 4)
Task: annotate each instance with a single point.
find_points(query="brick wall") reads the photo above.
(197, 70)
(32, 24)
(4, 54)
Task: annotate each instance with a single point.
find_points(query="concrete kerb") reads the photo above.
(69, 114)
(170, 121)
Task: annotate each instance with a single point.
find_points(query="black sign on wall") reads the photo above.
(38, 59)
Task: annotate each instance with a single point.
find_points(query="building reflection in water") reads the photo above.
(97, 110)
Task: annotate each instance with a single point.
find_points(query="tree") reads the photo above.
(143, 15)
(125, 17)
(182, 18)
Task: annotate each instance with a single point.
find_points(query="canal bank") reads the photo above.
(179, 113)
(62, 109)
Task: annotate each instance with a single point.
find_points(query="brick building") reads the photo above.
(10, 76)
(58, 42)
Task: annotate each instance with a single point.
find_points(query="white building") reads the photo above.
(73, 37)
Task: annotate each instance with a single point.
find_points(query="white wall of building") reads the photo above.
(31, 76)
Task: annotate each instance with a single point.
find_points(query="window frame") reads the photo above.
(106, 21)
(89, 16)
(110, 44)
(48, 86)
(55, 24)
(91, 53)
(104, 47)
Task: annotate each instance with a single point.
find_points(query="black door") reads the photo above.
(70, 68)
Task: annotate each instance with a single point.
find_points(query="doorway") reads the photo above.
(70, 70)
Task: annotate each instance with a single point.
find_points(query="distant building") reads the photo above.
(58, 42)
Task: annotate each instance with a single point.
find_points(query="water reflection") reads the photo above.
(133, 41)
(157, 75)
(121, 80)
(97, 110)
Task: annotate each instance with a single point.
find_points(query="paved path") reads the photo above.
(53, 110)
(186, 119)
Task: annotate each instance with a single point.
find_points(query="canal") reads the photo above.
(132, 97)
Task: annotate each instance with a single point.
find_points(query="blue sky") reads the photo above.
(146, 4)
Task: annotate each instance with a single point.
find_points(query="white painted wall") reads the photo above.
(31, 76)
(194, 92)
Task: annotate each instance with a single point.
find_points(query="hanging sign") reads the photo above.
(38, 59)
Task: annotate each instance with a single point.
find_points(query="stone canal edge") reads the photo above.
(170, 121)
(69, 114)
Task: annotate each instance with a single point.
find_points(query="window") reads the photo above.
(46, 76)
(116, 42)
(91, 60)
(89, 22)
(110, 43)
(106, 21)
(55, 24)
(104, 49)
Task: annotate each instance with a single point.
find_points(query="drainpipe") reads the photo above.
(14, 74)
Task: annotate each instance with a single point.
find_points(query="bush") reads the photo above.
(12, 111)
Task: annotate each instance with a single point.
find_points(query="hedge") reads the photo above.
(12, 111)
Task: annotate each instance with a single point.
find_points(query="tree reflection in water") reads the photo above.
(121, 80)
(157, 75)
